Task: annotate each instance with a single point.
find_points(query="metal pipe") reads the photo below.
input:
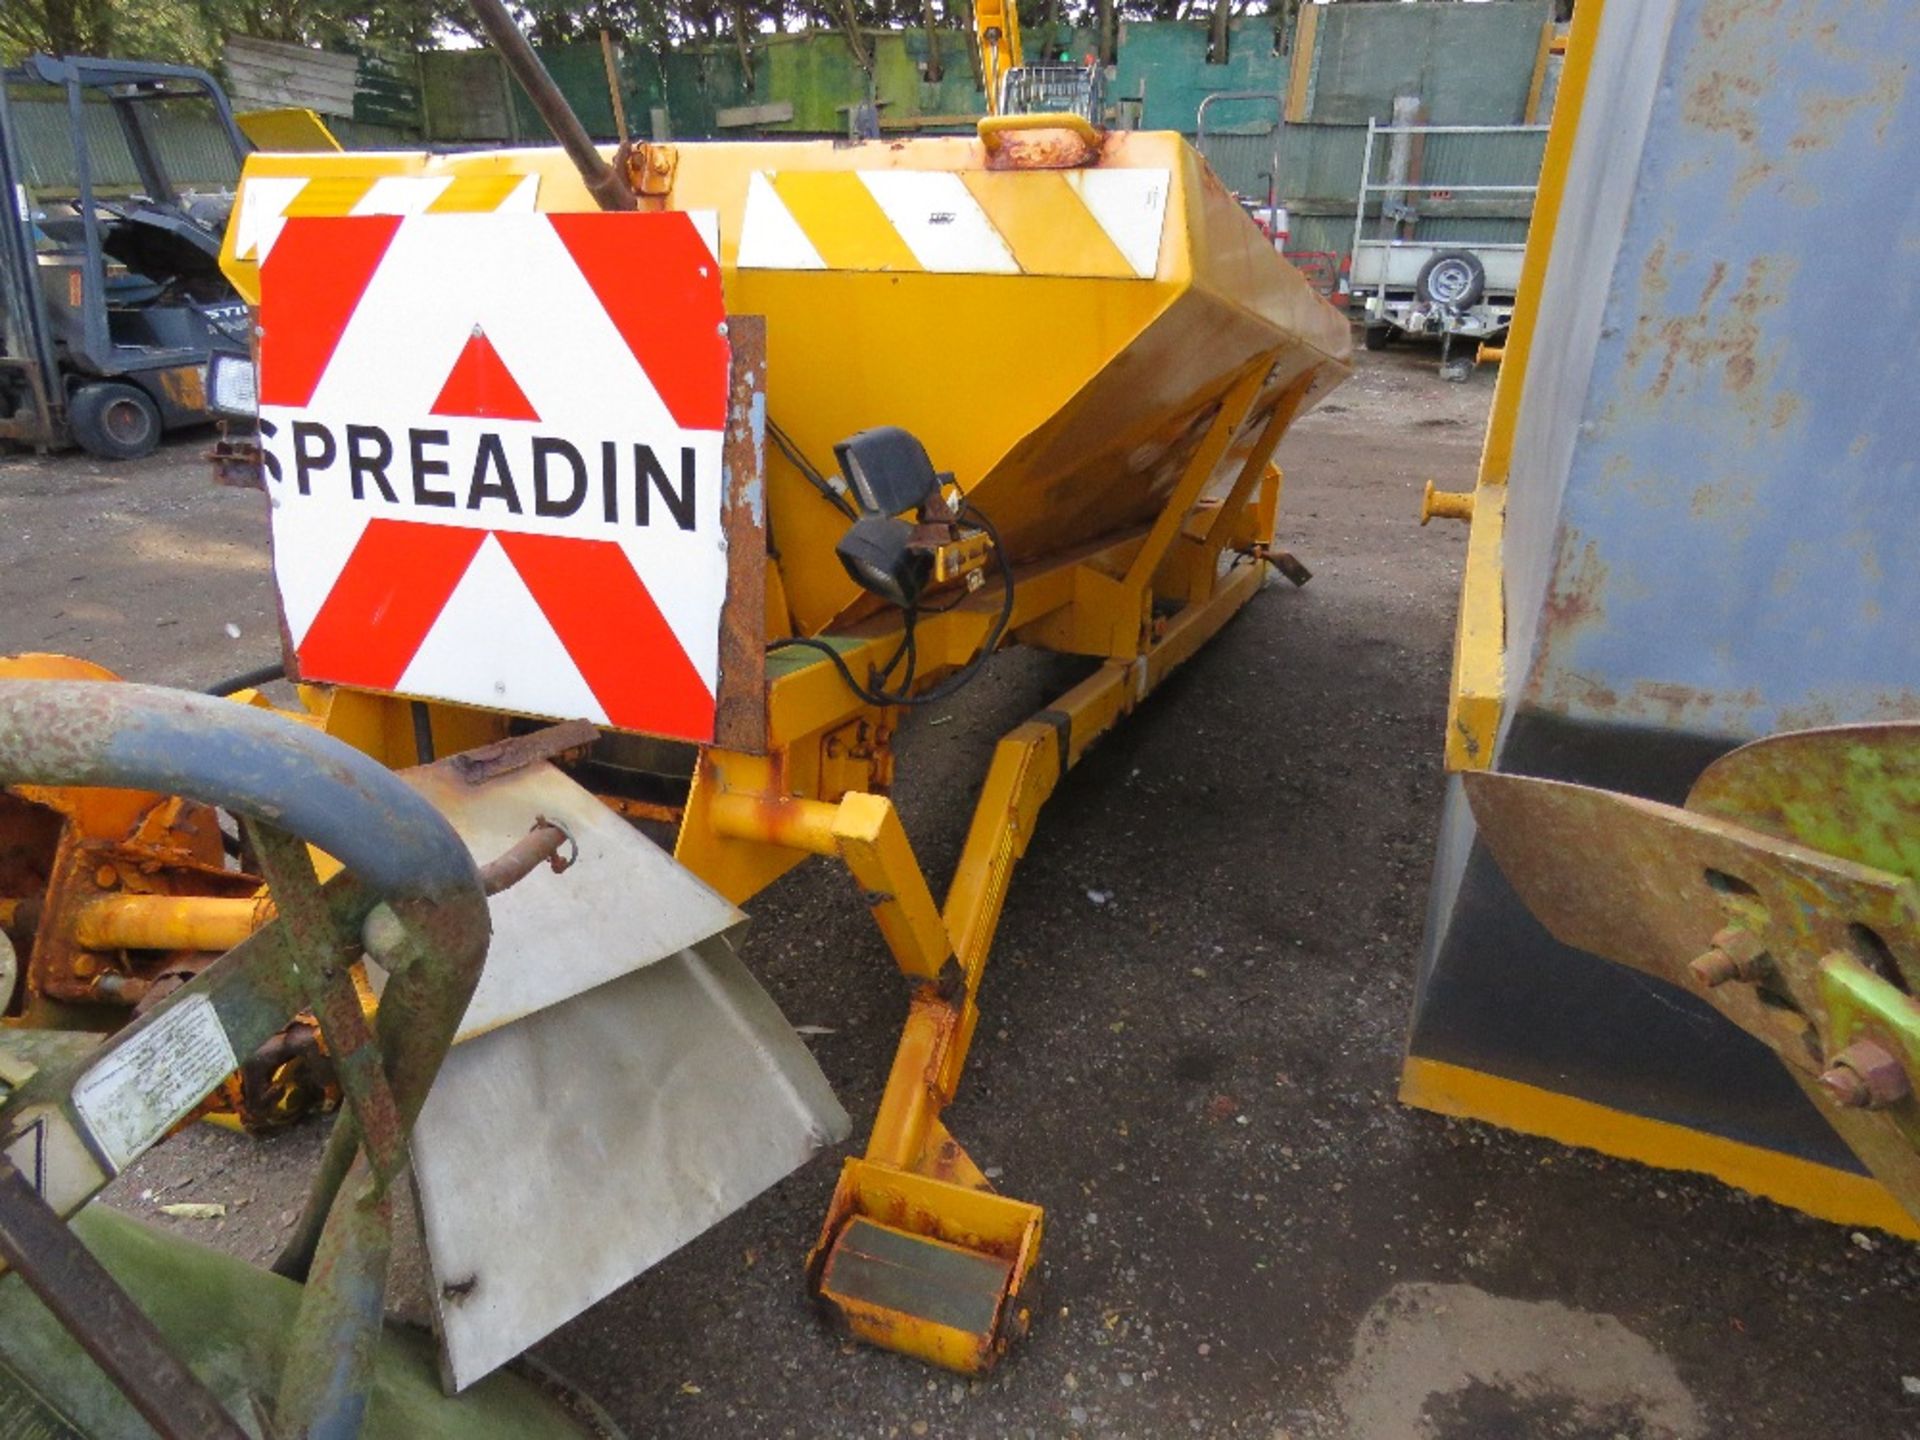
(608, 189)
(912, 1101)
(168, 922)
(514, 864)
(248, 679)
(793, 822)
(251, 762)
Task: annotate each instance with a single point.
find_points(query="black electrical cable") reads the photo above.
(953, 682)
(812, 476)
(246, 680)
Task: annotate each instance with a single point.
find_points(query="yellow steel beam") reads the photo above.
(1479, 651)
(1226, 423)
(874, 844)
(996, 33)
(1479, 640)
(1027, 766)
(1538, 83)
(1820, 1190)
(1496, 454)
(1200, 578)
(914, 1208)
(864, 831)
(1306, 34)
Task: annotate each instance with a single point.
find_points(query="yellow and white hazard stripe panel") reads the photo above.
(267, 202)
(1099, 224)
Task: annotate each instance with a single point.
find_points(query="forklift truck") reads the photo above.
(119, 178)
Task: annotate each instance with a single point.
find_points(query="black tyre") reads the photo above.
(1454, 278)
(1378, 337)
(114, 421)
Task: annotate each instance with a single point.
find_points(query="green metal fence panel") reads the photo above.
(387, 91)
(192, 145)
(466, 97)
(1169, 59)
(1471, 64)
(1320, 165)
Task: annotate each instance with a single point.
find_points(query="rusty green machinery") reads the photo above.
(197, 1346)
(1785, 893)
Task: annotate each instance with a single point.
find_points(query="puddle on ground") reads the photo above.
(1451, 1362)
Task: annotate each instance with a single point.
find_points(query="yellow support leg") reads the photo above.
(918, 1254)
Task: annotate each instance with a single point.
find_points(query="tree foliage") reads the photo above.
(192, 30)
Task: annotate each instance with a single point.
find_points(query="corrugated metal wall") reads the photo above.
(1471, 64)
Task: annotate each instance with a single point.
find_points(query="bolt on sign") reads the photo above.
(492, 444)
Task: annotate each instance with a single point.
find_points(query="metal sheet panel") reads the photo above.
(1710, 465)
(1707, 533)
(561, 1156)
(621, 1082)
(622, 904)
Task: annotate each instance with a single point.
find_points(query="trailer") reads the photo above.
(1436, 253)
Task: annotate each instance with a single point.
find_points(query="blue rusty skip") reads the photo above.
(1711, 527)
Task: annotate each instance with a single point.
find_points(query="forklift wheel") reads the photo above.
(114, 421)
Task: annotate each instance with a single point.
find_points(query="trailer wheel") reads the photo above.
(114, 421)
(1454, 278)
(1378, 337)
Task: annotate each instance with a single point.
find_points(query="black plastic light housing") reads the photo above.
(878, 558)
(888, 468)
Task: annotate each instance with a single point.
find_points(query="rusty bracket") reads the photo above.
(320, 951)
(236, 463)
(519, 860)
(504, 757)
(649, 168)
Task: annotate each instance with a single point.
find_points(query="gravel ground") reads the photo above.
(1193, 1022)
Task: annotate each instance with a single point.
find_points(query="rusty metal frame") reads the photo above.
(410, 888)
(740, 711)
(114, 1332)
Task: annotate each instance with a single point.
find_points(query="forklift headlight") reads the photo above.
(231, 386)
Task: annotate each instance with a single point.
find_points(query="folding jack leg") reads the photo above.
(918, 1253)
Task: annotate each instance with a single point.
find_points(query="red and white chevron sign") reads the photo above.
(493, 450)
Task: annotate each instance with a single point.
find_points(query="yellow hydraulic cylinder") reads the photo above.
(169, 922)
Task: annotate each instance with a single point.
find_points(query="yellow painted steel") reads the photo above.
(993, 129)
(996, 34)
(1046, 224)
(1479, 660)
(1445, 504)
(329, 195)
(168, 922)
(288, 128)
(1306, 36)
(1479, 639)
(845, 223)
(1079, 428)
(1820, 1190)
(1113, 407)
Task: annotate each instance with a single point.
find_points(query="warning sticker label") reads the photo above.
(152, 1079)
